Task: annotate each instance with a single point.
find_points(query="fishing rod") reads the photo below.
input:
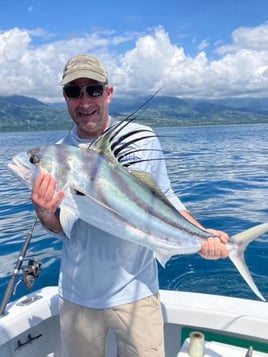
(31, 272)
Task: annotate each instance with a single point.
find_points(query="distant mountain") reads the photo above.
(252, 104)
(242, 104)
(129, 105)
(19, 113)
(172, 111)
(19, 100)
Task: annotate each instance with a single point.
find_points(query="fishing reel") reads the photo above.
(32, 272)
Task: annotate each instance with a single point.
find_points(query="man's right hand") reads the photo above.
(46, 202)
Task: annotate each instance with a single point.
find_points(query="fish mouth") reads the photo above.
(21, 170)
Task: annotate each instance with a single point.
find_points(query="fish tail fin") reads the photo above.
(237, 247)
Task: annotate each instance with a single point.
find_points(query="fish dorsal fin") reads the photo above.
(117, 147)
(147, 179)
(102, 144)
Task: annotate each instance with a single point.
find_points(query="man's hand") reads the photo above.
(46, 201)
(43, 194)
(215, 248)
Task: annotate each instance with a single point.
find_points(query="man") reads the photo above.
(107, 282)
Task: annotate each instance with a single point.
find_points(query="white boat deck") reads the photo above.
(31, 327)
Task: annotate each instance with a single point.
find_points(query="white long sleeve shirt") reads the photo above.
(100, 270)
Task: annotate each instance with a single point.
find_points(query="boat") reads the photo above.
(218, 326)
(195, 324)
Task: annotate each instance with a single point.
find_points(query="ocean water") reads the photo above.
(219, 172)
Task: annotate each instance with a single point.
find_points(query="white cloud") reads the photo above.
(138, 64)
(203, 44)
(253, 38)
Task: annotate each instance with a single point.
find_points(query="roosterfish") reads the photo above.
(101, 189)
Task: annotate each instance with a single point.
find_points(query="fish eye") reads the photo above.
(34, 159)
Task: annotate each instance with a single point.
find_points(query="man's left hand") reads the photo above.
(215, 247)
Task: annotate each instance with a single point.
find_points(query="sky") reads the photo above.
(202, 49)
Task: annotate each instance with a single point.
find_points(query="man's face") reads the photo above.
(89, 113)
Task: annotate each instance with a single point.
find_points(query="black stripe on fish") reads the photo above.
(129, 118)
(122, 157)
(149, 207)
(112, 136)
(130, 133)
(128, 163)
(126, 144)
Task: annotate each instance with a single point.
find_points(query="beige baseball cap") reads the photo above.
(84, 66)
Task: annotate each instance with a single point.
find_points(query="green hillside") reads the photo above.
(19, 113)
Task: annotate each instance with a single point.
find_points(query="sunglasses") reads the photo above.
(75, 92)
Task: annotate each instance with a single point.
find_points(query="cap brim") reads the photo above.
(83, 74)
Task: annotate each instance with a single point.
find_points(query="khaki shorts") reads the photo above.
(138, 328)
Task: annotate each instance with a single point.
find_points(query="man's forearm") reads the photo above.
(190, 218)
(50, 220)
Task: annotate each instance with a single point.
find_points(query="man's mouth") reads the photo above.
(88, 113)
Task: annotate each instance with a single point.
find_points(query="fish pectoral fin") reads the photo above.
(67, 219)
(237, 246)
(78, 192)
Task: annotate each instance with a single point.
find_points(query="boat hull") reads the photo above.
(30, 326)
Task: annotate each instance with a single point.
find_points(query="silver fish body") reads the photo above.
(103, 193)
